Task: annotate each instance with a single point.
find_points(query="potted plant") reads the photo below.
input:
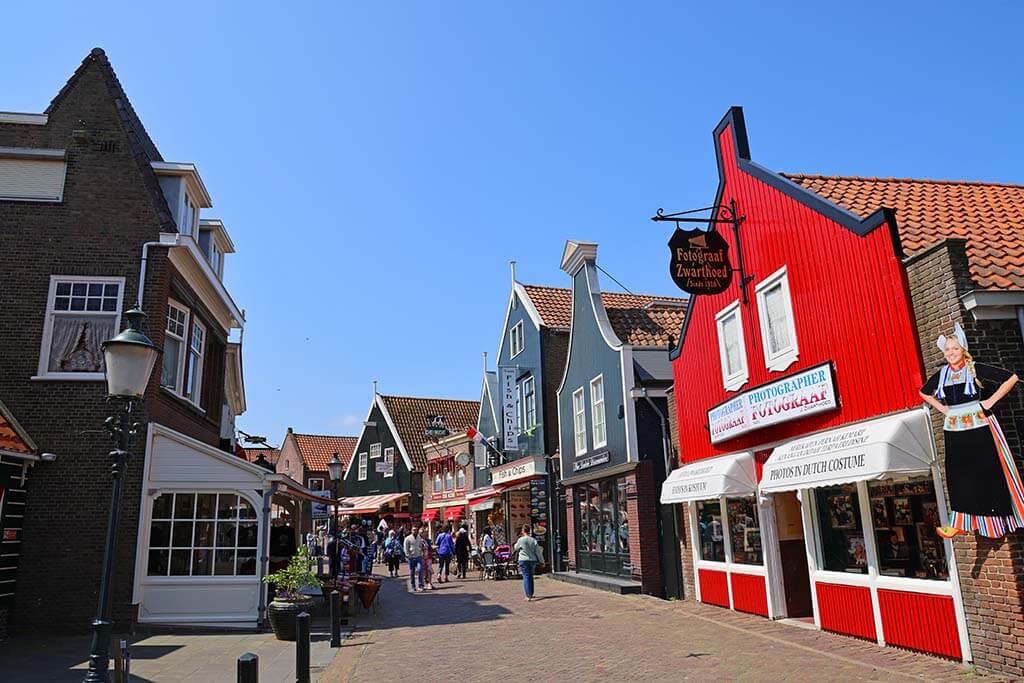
(289, 601)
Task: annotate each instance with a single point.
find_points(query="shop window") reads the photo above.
(744, 531)
(709, 524)
(841, 534)
(731, 347)
(778, 330)
(597, 411)
(81, 314)
(202, 534)
(904, 517)
(583, 503)
(579, 421)
(623, 518)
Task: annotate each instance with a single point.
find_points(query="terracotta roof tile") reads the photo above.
(318, 449)
(990, 216)
(638, 319)
(410, 417)
(12, 437)
(271, 454)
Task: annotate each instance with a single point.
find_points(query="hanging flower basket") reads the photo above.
(367, 590)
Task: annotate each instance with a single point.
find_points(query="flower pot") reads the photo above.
(282, 615)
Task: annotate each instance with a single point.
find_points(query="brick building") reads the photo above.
(303, 458)
(92, 220)
(824, 504)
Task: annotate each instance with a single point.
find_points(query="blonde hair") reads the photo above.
(968, 360)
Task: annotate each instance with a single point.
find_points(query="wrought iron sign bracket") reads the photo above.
(721, 214)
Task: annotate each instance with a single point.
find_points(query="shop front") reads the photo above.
(517, 496)
(601, 520)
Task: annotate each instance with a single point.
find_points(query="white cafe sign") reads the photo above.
(520, 469)
(805, 393)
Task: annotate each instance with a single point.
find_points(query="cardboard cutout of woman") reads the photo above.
(985, 491)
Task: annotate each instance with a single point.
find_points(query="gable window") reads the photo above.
(579, 421)
(81, 314)
(778, 330)
(374, 450)
(315, 484)
(389, 462)
(171, 373)
(515, 340)
(28, 174)
(597, 411)
(197, 344)
(529, 403)
(362, 466)
(731, 348)
(437, 483)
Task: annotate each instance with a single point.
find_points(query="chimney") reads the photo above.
(576, 254)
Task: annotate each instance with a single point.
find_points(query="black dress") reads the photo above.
(978, 485)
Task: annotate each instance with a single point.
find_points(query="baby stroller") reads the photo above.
(503, 559)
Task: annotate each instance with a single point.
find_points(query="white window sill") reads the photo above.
(70, 377)
(782, 361)
(734, 383)
(178, 397)
(601, 444)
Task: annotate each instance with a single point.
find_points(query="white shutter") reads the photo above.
(32, 179)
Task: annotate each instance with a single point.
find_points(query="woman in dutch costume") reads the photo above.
(985, 492)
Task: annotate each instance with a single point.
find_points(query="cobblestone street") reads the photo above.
(484, 630)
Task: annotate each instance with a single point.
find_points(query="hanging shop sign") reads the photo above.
(587, 463)
(805, 393)
(436, 428)
(520, 469)
(510, 439)
(700, 261)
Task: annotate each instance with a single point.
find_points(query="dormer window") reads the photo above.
(189, 213)
(185, 193)
(214, 243)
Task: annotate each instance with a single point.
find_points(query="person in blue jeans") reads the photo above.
(414, 554)
(445, 550)
(527, 554)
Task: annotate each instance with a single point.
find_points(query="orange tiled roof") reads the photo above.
(318, 449)
(271, 454)
(12, 437)
(989, 216)
(638, 319)
(410, 417)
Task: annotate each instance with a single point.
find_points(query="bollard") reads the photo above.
(248, 668)
(335, 619)
(302, 648)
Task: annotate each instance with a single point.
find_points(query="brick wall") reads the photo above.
(644, 548)
(681, 511)
(991, 571)
(556, 349)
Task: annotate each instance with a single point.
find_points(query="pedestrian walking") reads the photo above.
(393, 553)
(445, 551)
(462, 548)
(428, 558)
(414, 553)
(527, 553)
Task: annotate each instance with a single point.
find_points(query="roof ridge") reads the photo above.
(326, 436)
(877, 179)
(430, 398)
(644, 296)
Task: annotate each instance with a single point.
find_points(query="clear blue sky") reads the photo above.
(378, 164)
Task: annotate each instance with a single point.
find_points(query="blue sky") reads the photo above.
(379, 164)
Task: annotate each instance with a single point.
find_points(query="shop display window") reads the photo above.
(623, 518)
(840, 530)
(709, 521)
(602, 523)
(904, 516)
(744, 531)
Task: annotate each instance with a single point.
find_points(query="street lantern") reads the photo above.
(334, 466)
(129, 357)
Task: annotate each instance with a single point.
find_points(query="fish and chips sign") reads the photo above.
(805, 393)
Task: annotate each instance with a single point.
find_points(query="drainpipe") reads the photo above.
(666, 440)
(170, 241)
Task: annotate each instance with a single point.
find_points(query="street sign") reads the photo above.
(321, 510)
(510, 442)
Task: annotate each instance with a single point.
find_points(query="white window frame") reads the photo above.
(449, 480)
(188, 203)
(179, 381)
(740, 377)
(460, 473)
(514, 349)
(309, 483)
(596, 411)
(389, 457)
(363, 465)
(196, 362)
(519, 408)
(437, 482)
(375, 451)
(44, 346)
(782, 359)
(579, 409)
(529, 402)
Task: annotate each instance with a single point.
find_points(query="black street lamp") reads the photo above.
(129, 359)
(334, 467)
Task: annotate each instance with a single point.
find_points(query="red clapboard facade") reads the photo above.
(796, 400)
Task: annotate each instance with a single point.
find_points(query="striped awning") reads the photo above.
(362, 505)
(454, 513)
(480, 495)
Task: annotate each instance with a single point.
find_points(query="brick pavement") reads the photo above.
(485, 631)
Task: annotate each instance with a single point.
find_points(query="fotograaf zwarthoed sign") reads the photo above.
(700, 261)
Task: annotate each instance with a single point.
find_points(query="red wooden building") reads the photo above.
(809, 467)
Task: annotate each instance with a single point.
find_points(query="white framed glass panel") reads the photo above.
(579, 421)
(710, 530)
(449, 480)
(437, 482)
(597, 411)
(196, 353)
(778, 327)
(389, 461)
(744, 530)
(173, 357)
(731, 346)
(904, 517)
(460, 478)
(315, 484)
(840, 533)
(375, 450)
(81, 314)
(202, 534)
(362, 466)
(516, 339)
(529, 402)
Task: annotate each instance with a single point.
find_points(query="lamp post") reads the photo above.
(129, 359)
(334, 467)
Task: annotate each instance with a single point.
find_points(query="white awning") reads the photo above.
(727, 475)
(885, 448)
